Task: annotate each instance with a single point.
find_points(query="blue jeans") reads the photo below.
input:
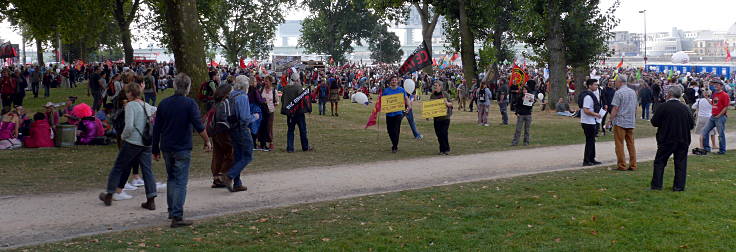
(242, 153)
(150, 97)
(177, 168)
(720, 124)
(292, 121)
(410, 118)
(322, 106)
(645, 110)
(129, 155)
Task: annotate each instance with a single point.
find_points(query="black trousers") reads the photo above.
(589, 154)
(34, 88)
(393, 126)
(679, 150)
(441, 126)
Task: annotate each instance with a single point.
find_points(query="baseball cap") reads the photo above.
(717, 81)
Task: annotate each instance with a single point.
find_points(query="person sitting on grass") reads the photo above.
(9, 126)
(40, 134)
(90, 129)
(563, 108)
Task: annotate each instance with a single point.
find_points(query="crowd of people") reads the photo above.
(240, 105)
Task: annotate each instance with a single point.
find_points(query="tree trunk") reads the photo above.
(557, 64)
(39, 52)
(24, 51)
(427, 36)
(467, 45)
(187, 42)
(429, 23)
(125, 36)
(580, 75)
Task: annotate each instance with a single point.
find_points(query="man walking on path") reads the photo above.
(674, 122)
(623, 118)
(241, 138)
(590, 107)
(720, 101)
(172, 135)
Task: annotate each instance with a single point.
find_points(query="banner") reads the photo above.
(372, 119)
(417, 60)
(242, 63)
(392, 103)
(281, 63)
(434, 108)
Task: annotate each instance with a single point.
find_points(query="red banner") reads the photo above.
(518, 76)
(376, 109)
(417, 60)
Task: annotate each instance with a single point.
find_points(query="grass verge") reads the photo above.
(586, 210)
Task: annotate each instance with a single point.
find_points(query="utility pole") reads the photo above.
(645, 38)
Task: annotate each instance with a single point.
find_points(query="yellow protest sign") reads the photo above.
(392, 103)
(434, 108)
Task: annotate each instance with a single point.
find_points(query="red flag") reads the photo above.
(728, 54)
(213, 63)
(63, 62)
(374, 115)
(242, 63)
(434, 62)
(109, 63)
(620, 64)
(518, 76)
(454, 57)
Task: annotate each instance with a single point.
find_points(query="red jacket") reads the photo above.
(7, 85)
(40, 135)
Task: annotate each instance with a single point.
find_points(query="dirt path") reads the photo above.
(51, 217)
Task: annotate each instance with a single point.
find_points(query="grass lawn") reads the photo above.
(586, 210)
(337, 140)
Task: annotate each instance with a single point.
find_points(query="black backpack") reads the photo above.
(226, 116)
(596, 102)
(147, 133)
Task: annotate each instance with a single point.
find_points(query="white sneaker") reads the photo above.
(121, 196)
(485, 125)
(138, 182)
(160, 186)
(129, 187)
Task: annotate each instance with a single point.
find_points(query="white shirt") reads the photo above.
(704, 108)
(585, 118)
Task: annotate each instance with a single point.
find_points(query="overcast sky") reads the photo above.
(662, 15)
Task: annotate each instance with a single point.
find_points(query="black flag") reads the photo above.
(417, 60)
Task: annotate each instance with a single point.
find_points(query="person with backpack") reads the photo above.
(136, 147)
(207, 90)
(177, 117)
(149, 90)
(590, 108)
(323, 94)
(484, 103)
(239, 123)
(218, 128)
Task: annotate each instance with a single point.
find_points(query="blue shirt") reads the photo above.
(390, 91)
(243, 107)
(172, 130)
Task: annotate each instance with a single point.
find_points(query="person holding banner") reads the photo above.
(442, 123)
(393, 118)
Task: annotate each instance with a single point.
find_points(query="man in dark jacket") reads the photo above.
(645, 99)
(606, 98)
(673, 121)
(294, 104)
